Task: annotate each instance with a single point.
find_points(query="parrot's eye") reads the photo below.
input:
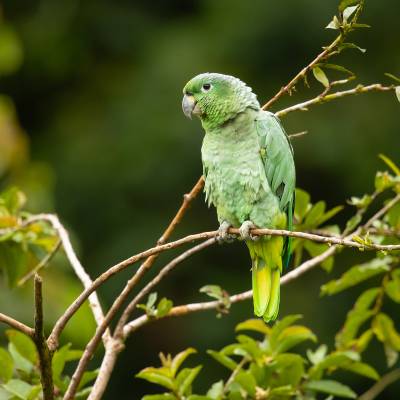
(206, 87)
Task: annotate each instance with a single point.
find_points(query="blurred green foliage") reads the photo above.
(19, 369)
(100, 138)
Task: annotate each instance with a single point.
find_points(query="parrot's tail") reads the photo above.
(266, 255)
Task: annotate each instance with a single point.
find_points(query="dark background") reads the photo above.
(99, 137)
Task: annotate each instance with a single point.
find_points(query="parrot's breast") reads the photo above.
(235, 179)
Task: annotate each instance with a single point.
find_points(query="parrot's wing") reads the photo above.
(277, 154)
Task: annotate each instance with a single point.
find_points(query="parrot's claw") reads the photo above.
(223, 235)
(245, 231)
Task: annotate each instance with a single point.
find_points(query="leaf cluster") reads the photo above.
(20, 374)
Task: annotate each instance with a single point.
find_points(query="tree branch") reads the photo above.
(381, 385)
(162, 274)
(16, 325)
(322, 56)
(207, 235)
(76, 265)
(325, 97)
(290, 276)
(93, 343)
(46, 374)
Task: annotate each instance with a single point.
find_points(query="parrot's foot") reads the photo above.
(223, 235)
(245, 231)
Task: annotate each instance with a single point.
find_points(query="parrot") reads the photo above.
(249, 174)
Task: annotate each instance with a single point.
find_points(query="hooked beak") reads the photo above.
(189, 106)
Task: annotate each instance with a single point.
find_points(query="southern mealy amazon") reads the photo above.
(249, 175)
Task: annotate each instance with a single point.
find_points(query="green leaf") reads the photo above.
(348, 12)
(164, 396)
(287, 369)
(392, 288)
(362, 369)
(383, 181)
(18, 388)
(213, 291)
(315, 249)
(151, 300)
(292, 336)
(223, 359)
(185, 379)
(320, 76)
(257, 325)
(334, 24)
(4, 395)
(330, 214)
(333, 360)
(362, 202)
(397, 91)
(247, 382)
(13, 199)
(216, 391)
(393, 216)
(331, 387)
(302, 204)
(20, 363)
(344, 46)
(198, 397)
(23, 344)
(356, 317)
(384, 330)
(279, 327)
(390, 163)
(356, 275)
(14, 260)
(156, 375)
(180, 358)
(353, 222)
(6, 365)
(363, 341)
(88, 377)
(287, 390)
(164, 307)
(249, 346)
(339, 68)
(318, 355)
(58, 362)
(346, 3)
(315, 214)
(395, 78)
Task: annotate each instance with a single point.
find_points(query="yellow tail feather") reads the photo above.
(266, 271)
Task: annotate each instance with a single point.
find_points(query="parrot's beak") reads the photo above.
(190, 106)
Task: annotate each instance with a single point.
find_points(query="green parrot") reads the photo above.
(249, 175)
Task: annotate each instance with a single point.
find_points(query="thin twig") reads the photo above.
(377, 87)
(381, 385)
(49, 256)
(211, 305)
(76, 265)
(233, 375)
(46, 374)
(322, 56)
(164, 272)
(16, 325)
(297, 135)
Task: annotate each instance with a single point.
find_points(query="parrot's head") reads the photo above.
(216, 98)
